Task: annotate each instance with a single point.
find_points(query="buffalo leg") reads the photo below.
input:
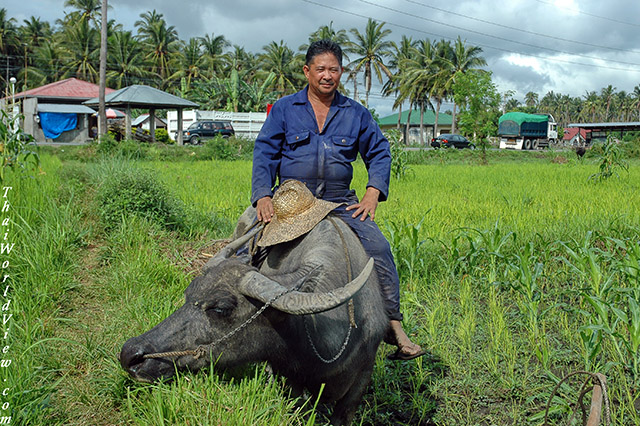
(347, 406)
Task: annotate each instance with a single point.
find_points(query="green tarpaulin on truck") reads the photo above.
(521, 117)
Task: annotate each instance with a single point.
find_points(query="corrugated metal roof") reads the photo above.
(65, 108)
(69, 88)
(631, 125)
(144, 117)
(139, 96)
(429, 118)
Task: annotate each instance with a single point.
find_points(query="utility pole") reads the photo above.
(102, 116)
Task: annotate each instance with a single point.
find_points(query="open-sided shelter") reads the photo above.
(145, 97)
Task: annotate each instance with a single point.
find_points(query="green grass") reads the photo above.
(513, 275)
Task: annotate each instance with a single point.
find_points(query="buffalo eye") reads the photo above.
(221, 307)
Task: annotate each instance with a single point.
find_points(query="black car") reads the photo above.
(449, 140)
(206, 129)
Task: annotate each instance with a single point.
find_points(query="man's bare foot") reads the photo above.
(406, 348)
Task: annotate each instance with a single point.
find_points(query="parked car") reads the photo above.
(449, 140)
(206, 129)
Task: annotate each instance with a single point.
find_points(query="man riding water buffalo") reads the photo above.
(313, 136)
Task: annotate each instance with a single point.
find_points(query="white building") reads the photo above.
(245, 124)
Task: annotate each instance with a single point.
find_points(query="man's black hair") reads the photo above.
(323, 46)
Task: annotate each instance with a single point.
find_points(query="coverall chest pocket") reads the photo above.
(297, 140)
(345, 147)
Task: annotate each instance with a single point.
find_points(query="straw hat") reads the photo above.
(296, 212)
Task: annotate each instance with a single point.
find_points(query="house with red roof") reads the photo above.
(54, 112)
(574, 136)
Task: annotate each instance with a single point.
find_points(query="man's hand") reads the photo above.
(367, 206)
(264, 209)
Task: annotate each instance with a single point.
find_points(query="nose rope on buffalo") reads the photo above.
(203, 349)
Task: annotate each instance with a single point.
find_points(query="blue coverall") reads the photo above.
(290, 146)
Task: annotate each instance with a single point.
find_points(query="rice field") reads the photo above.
(513, 275)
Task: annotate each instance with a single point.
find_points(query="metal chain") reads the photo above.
(315, 350)
(350, 308)
(203, 349)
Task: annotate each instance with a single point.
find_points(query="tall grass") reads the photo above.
(513, 274)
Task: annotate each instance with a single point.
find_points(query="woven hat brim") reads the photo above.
(279, 231)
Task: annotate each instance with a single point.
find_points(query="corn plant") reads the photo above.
(611, 160)
(528, 273)
(405, 243)
(15, 153)
(585, 260)
(399, 157)
(490, 244)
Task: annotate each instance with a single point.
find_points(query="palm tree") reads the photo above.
(531, 99)
(9, 46)
(281, 60)
(213, 48)
(606, 94)
(636, 100)
(8, 32)
(191, 62)
(34, 31)
(460, 59)
(371, 49)
(401, 54)
(159, 42)
(242, 61)
(81, 43)
(590, 106)
(326, 32)
(87, 9)
(49, 61)
(419, 79)
(258, 95)
(124, 59)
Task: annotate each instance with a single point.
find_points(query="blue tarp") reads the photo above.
(54, 123)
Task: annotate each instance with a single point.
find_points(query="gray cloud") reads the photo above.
(606, 31)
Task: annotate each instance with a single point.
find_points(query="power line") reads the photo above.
(518, 29)
(479, 44)
(493, 36)
(589, 14)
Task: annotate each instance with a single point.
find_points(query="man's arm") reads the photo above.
(374, 150)
(266, 161)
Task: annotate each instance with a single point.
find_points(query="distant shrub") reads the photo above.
(218, 148)
(162, 136)
(131, 149)
(133, 192)
(107, 144)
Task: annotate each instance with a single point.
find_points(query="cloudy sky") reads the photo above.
(565, 46)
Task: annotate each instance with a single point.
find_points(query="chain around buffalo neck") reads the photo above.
(351, 309)
(204, 349)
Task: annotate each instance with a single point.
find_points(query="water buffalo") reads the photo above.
(307, 334)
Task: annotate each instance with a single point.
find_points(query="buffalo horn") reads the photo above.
(232, 247)
(260, 287)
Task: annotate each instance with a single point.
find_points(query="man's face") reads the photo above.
(323, 74)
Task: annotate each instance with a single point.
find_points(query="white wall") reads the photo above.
(245, 124)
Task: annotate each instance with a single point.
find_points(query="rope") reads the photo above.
(597, 381)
